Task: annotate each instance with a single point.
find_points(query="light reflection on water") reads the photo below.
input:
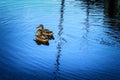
(86, 45)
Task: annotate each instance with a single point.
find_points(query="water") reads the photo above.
(86, 44)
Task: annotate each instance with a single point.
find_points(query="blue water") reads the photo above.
(86, 44)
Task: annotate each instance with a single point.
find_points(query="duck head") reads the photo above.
(41, 27)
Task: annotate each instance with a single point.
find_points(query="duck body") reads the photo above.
(41, 40)
(48, 33)
(38, 32)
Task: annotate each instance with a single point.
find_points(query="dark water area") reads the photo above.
(86, 44)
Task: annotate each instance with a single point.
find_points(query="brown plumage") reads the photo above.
(45, 32)
(41, 40)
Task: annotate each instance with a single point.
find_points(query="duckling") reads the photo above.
(49, 34)
(40, 27)
(46, 32)
(38, 32)
(41, 39)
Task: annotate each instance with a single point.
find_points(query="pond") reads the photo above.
(86, 44)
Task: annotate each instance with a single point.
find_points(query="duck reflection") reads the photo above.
(43, 35)
(59, 45)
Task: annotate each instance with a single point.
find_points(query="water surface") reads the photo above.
(86, 44)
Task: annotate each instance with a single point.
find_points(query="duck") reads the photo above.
(45, 32)
(40, 27)
(41, 39)
(38, 32)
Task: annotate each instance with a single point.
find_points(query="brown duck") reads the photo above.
(45, 32)
(41, 40)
